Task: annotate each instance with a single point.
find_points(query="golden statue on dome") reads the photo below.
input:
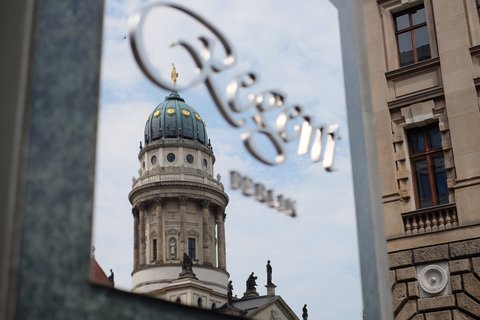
(174, 75)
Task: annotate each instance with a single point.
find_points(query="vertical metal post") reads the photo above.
(371, 237)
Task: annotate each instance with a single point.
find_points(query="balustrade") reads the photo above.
(430, 219)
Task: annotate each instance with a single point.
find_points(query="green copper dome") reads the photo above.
(172, 119)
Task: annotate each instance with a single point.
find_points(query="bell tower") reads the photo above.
(178, 209)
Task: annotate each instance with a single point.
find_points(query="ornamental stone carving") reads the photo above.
(159, 201)
(433, 279)
(141, 205)
(182, 200)
(205, 204)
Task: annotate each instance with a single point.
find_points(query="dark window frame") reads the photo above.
(192, 249)
(478, 6)
(429, 154)
(411, 31)
(154, 249)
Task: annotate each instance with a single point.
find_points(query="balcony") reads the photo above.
(430, 219)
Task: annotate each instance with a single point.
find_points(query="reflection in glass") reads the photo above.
(418, 16)
(434, 137)
(423, 184)
(402, 22)
(440, 179)
(412, 36)
(310, 69)
(422, 43)
(417, 142)
(405, 48)
(430, 176)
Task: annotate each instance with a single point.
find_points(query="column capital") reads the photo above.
(182, 200)
(205, 203)
(159, 201)
(141, 205)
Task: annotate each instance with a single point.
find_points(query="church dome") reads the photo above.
(172, 119)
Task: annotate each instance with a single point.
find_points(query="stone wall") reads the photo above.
(459, 300)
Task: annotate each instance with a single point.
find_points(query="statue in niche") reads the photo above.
(269, 273)
(173, 248)
(251, 283)
(230, 293)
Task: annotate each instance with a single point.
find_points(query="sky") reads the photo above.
(293, 47)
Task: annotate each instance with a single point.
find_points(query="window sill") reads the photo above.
(413, 68)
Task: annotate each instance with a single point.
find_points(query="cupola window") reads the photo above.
(170, 111)
(190, 158)
(171, 157)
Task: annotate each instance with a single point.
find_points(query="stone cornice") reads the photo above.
(415, 68)
(164, 190)
(420, 96)
(195, 266)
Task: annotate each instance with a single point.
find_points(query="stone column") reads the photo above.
(141, 232)
(158, 206)
(222, 264)
(135, 238)
(148, 253)
(207, 257)
(182, 201)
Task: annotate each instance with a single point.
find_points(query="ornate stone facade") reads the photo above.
(460, 299)
(424, 71)
(178, 208)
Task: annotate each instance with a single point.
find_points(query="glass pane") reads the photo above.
(418, 16)
(434, 137)
(405, 48)
(402, 22)
(178, 198)
(423, 184)
(440, 179)
(422, 43)
(416, 141)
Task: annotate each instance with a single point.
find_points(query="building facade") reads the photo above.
(178, 211)
(424, 70)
